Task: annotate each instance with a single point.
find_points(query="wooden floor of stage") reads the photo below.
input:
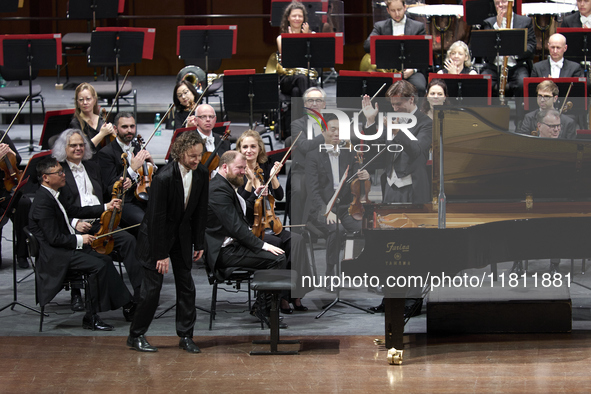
(475, 364)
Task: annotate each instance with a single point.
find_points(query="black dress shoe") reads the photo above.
(517, 268)
(22, 262)
(187, 344)
(140, 344)
(129, 311)
(412, 307)
(296, 307)
(286, 311)
(378, 309)
(261, 316)
(76, 303)
(95, 323)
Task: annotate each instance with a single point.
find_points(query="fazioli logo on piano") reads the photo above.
(392, 123)
(398, 251)
(391, 247)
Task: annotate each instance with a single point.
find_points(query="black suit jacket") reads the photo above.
(167, 221)
(413, 158)
(57, 245)
(573, 20)
(69, 194)
(519, 22)
(569, 69)
(303, 144)
(568, 127)
(320, 181)
(109, 159)
(384, 28)
(226, 219)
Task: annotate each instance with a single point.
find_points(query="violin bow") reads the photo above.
(116, 231)
(117, 95)
(283, 160)
(14, 119)
(158, 126)
(563, 103)
(195, 105)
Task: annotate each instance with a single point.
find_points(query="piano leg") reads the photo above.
(394, 318)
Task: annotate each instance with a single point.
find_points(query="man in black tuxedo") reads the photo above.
(231, 244)
(84, 189)
(406, 178)
(518, 66)
(581, 18)
(556, 66)
(399, 25)
(62, 250)
(172, 232)
(204, 120)
(109, 159)
(325, 166)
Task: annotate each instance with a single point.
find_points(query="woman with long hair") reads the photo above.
(86, 117)
(436, 95)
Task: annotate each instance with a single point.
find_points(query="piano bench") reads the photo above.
(274, 282)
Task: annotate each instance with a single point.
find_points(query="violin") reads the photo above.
(110, 219)
(8, 164)
(264, 211)
(360, 191)
(145, 172)
(211, 160)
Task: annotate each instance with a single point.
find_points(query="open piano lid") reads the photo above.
(484, 161)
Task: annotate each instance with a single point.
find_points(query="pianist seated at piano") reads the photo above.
(325, 167)
(405, 179)
(547, 95)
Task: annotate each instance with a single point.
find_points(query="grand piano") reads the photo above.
(497, 196)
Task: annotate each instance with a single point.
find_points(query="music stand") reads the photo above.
(32, 51)
(314, 8)
(359, 83)
(55, 122)
(476, 11)
(462, 85)
(8, 213)
(205, 42)
(495, 43)
(93, 9)
(115, 48)
(245, 91)
(401, 52)
(579, 44)
(309, 51)
(9, 6)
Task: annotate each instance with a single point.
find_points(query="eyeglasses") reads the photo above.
(552, 126)
(60, 173)
(85, 100)
(181, 94)
(76, 145)
(314, 101)
(206, 116)
(544, 97)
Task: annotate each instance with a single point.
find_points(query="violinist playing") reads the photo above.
(184, 97)
(109, 159)
(204, 119)
(324, 168)
(83, 188)
(257, 173)
(86, 117)
(20, 217)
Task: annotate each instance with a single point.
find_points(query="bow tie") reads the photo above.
(401, 23)
(557, 64)
(333, 152)
(586, 21)
(77, 168)
(210, 139)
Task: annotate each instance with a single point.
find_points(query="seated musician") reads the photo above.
(258, 171)
(457, 60)
(109, 159)
(548, 124)
(406, 178)
(556, 66)
(436, 95)
(314, 99)
(294, 21)
(62, 250)
(20, 217)
(86, 117)
(547, 92)
(400, 25)
(518, 66)
(183, 97)
(204, 119)
(84, 189)
(580, 18)
(325, 166)
(231, 244)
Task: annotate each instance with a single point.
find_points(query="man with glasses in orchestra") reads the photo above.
(581, 18)
(62, 250)
(547, 95)
(204, 120)
(109, 159)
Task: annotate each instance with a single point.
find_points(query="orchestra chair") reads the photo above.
(18, 94)
(273, 281)
(73, 44)
(73, 279)
(226, 277)
(107, 90)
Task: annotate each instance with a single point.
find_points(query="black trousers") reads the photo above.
(150, 294)
(335, 239)
(133, 213)
(236, 255)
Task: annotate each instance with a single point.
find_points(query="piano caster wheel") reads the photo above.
(379, 342)
(395, 356)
